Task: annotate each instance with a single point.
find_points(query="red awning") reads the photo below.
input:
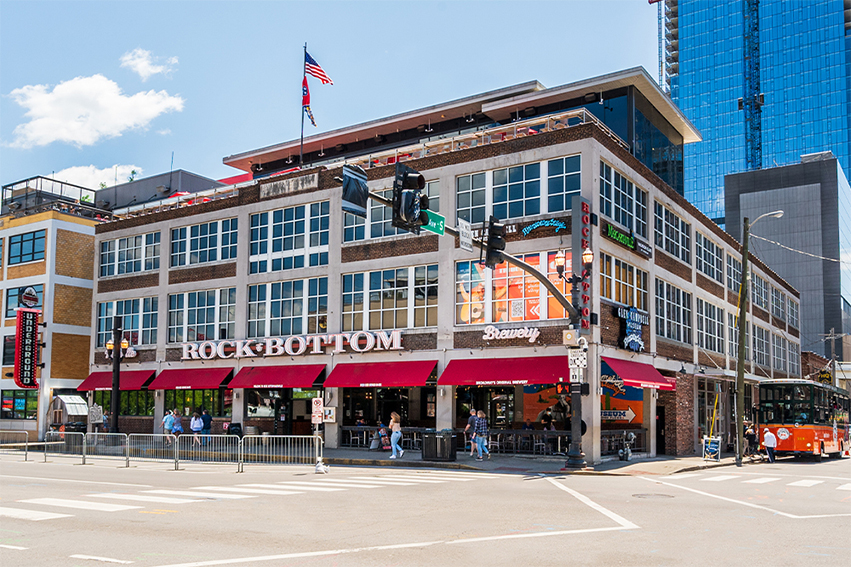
(273, 377)
(130, 380)
(506, 371)
(638, 375)
(381, 374)
(190, 379)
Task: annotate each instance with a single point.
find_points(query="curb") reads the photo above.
(397, 463)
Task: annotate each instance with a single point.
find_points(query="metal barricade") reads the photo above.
(65, 443)
(14, 442)
(152, 447)
(107, 445)
(281, 449)
(209, 449)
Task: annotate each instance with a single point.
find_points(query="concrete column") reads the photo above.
(649, 423)
(445, 410)
(238, 407)
(333, 433)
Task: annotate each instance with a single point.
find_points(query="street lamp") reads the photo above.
(575, 456)
(116, 355)
(740, 365)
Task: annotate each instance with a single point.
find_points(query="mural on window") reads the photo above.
(516, 296)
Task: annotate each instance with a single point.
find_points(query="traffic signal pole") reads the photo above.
(517, 262)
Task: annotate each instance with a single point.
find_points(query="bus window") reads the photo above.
(802, 413)
(801, 392)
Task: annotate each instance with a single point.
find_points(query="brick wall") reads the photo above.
(202, 273)
(711, 360)
(420, 341)
(761, 314)
(386, 249)
(677, 351)
(72, 305)
(732, 297)
(26, 270)
(69, 357)
(674, 266)
(473, 339)
(679, 417)
(712, 287)
(613, 328)
(75, 254)
(128, 283)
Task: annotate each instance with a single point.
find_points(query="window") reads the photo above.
(13, 293)
(432, 191)
(516, 296)
(517, 191)
(381, 218)
(27, 247)
(388, 299)
(709, 258)
(621, 201)
(563, 182)
(139, 320)
(794, 359)
(19, 404)
(710, 327)
(129, 255)
(759, 292)
(470, 197)
(9, 350)
(425, 295)
(277, 309)
(207, 242)
(298, 237)
(733, 327)
(354, 228)
(134, 403)
(760, 345)
(202, 315)
(470, 293)
(219, 403)
(353, 302)
(793, 313)
(781, 345)
(778, 303)
(673, 234)
(623, 283)
(381, 299)
(673, 313)
(734, 274)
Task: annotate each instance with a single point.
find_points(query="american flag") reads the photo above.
(312, 68)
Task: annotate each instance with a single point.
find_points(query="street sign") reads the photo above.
(575, 375)
(317, 414)
(577, 359)
(465, 235)
(436, 223)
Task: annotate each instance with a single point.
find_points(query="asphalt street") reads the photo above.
(65, 514)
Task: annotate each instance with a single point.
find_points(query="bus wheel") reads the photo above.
(818, 455)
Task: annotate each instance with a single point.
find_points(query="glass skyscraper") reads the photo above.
(764, 81)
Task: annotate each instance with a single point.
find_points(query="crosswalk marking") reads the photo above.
(338, 484)
(79, 504)
(201, 494)
(296, 486)
(15, 547)
(720, 478)
(34, 515)
(844, 487)
(249, 490)
(805, 483)
(443, 477)
(143, 498)
(384, 481)
(762, 480)
(367, 483)
(416, 479)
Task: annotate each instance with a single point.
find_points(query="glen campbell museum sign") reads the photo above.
(295, 345)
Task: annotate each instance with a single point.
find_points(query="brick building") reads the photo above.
(265, 294)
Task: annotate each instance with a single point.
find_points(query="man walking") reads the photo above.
(470, 429)
(207, 421)
(770, 442)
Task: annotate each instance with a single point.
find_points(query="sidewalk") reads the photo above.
(528, 464)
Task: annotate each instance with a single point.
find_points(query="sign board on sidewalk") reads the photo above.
(465, 235)
(318, 411)
(711, 448)
(436, 223)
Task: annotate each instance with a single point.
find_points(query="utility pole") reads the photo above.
(832, 338)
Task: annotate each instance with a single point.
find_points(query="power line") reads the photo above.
(799, 251)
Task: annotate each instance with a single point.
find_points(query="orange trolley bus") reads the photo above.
(808, 418)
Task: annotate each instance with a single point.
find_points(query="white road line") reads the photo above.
(332, 483)
(416, 479)
(4, 546)
(443, 477)
(384, 481)
(296, 486)
(588, 502)
(684, 475)
(142, 498)
(369, 483)
(102, 559)
(79, 504)
(844, 487)
(73, 480)
(201, 494)
(249, 490)
(720, 478)
(805, 483)
(748, 504)
(537, 534)
(33, 515)
(762, 480)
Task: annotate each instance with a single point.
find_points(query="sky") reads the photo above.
(92, 91)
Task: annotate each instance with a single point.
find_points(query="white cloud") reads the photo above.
(85, 110)
(141, 62)
(164, 132)
(91, 177)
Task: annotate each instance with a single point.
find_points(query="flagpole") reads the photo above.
(304, 76)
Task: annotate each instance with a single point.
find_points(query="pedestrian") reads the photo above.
(105, 427)
(168, 423)
(770, 443)
(480, 435)
(196, 424)
(207, 420)
(396, 435)
(471, 425)
(177, 426)
(750, 440)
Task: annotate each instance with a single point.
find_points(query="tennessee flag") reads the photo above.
(305, 101)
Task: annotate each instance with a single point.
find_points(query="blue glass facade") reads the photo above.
(805, 76)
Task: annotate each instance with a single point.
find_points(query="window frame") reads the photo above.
(708, 257)
(289, 238)
(673, 313)
(140, 324)
(189, 244)
(672, 234)
(310, 303)
(36, 253)
(710, 326)
(180, 311)
(147, 256)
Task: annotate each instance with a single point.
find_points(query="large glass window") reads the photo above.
(563, 182)
(794, 359)
(781, 346)
(621, 201)
(709, 258)
(778, 303)
(219, 403)
(470, 197)
(381, 218)
(710, 327)
(469, 293)
(277, 309)
(298, 237)
(381, 299)
(733, 333)
(425, 296)
(206, 242)
(734, 274)
(13, 295)
(202, 315)
(27, 247)
(760, 345)
(516, 296)
(673, 312)
(354, 228)
(672, 233)
(129, 255)
(19, 404)
(759, 292)
(517, 191)
(139, 320)
(622, 283)
(140, 403)
(793, 313)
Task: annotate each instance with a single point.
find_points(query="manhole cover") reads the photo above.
(652, 496)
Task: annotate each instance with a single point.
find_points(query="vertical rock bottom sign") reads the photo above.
(26, 348)
(580, 240)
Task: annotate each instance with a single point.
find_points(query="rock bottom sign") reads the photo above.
(295, 345)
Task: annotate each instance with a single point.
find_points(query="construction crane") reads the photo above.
(752, 100)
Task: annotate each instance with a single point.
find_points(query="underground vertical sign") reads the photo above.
(26, 347)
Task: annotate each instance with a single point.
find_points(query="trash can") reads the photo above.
(439, 445)
(234, 429)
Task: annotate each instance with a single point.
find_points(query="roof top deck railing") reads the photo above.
(494, 135)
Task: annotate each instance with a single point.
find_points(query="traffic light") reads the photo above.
(409, 203)
(496, 243)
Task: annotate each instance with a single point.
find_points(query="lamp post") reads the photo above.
(575, 456)
(740, 365)
(116, 355)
